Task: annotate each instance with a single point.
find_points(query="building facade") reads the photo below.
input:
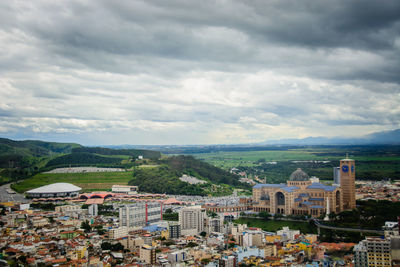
(302, 195)
(347, 183)
(54, 190)
(191, 220)
(373, 251)
(125, 189)
(118, 232)
(174, 230)
(336, 175)
(148, 254)
(140, 214)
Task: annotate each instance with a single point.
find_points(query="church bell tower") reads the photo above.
(347, 183)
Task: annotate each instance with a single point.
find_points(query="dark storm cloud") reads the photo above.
(199, 70)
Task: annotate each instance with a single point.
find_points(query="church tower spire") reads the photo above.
(347, 182)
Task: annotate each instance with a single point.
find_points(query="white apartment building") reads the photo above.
(373, 251)
(118, 232)
(147, 254)
(125, 189)
(360, 255)
(68, 208)
(287, 233)
(251, 238)
(138, 215)
(191, 220)
(177, 256)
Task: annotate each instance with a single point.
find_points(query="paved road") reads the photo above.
(6, 197)
(319, 225)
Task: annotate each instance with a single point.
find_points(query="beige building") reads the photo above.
(270, 250)
(39, 221)
(131, 243)
(125, 189)
(192, 220)
(148, 254)
(302, 195)
(118, 232)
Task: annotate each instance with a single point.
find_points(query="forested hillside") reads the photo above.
(23, 159)
(194, 167)
(148, 154)
(165, 178)
(83, 159)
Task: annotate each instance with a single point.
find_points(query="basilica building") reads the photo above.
(302, 195)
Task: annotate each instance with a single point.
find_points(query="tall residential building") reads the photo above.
(177, 256)
(216, 225)
(174, 230)
(228, 261)
(360, 255)
(140, 214)
(93, 210)
(395, 250)
(251, 238)
(373, 252)
(336, 175)
(148, 254)
(378, 250)
(191, 220)
(118, 232)
(347, 183)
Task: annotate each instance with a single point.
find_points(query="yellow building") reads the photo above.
(272, 238)
(81, 252)
(302, 195)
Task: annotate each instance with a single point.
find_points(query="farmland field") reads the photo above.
(276, 165)
(95, 181)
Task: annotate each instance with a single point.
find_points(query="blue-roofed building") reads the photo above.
(301, 195)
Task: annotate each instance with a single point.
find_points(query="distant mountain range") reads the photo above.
(378, 138)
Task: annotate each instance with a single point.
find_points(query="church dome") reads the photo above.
(299, 175)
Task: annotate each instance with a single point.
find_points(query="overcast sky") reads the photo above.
(197, 72)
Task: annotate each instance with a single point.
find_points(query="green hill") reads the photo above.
(165, 178)
(148, 154)
(23, 159)
(83, 159)
(33, 148)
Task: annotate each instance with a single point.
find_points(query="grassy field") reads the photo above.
(273, 226)
(371, 162)
(3, 179)
(93, 181)
(227, 160)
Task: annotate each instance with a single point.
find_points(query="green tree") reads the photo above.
(117, 247)
(106, 246)
(169, 210)
(86, 226)
(205, 261)
(191, 245)
(264, 214)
